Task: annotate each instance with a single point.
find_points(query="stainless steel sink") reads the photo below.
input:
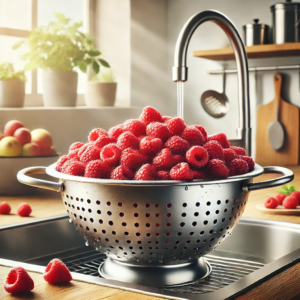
(256, 250)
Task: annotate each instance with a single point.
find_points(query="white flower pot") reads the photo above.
(60, 88)
(100, 93)
(12, 93)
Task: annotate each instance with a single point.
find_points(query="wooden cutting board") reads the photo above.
(288, 116)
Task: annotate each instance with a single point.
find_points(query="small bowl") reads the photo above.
(10, 166)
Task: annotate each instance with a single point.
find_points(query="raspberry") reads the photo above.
(103, 140)
(18, 281)
(229, 155)
(177, 145)
(132, 159)
(175, 126)
(181, 171)
(110, 154)
(158, 130)
(24, 210)
(238, 167)
(91, 153)
(164, 160)
(249, 161)
(166, 118)
(280, 197)
(202, 130)
(57, 272)
(193, 136)
(179, 158)
(76, 146)
(200, 175)
(150, 114)
(290, 202)
(136, 127)
(271, 202)
(74, 167)
(74, 154)
(61, 162)
(97, 169)
(296, 194)
(217, 168)
(239, 150)
(83, 148)
(116, 131)
(148, 159)
(163, 175)
(146, 172)
(95, 133)
(197, 156)
(215, 150)
(121, 173)
(150, 146)
(221, 138)
(128, 140)
(4, 208)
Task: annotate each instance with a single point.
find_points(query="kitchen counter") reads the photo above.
(284, 285)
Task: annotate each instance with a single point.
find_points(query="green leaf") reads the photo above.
(82, 66)
(287, 190)
(104, 63)
(61, 18)
(17, 45)
(96, 67)
(94, 53)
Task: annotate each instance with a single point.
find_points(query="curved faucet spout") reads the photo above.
(180, 70)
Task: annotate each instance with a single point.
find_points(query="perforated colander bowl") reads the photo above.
(157, 224)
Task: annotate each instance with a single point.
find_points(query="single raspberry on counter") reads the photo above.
(150, 145)
(132, 159)
(280, 197)
(249, 160)
(122, 173)
(146, 172)
(149, 115)
(18, 281)
(217, 168)
(271, 202)
(128, 140)
(177, 145)
(175, 126)
(221, 138)
(136, 127)
(197, 156)
(74, 167)
(181, 171)
(166, 118)
(110, 154)
(179, 158)
(239, 150)
(158, 130)
(57, 272)
(83, 148)
(76, 146)
(214, 149)
(296, 194)
(229, 155)
(95, 133)
(203, 131)
(193, 136)
(116, 131)
(290, 202)
(24, 210)
(60, 162)
(238, 167)
(103, 140)
(97, 169)
(163, 175)
(164, 160)
(91, 153)
(200, 175)
(4, 208)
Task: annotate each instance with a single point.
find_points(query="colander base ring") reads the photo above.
(160, 276)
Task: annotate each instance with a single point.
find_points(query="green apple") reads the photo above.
(41, 137)
(10, 146)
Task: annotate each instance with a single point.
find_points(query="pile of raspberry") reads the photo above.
(155, 147)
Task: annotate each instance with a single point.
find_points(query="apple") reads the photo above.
(48, 151)
(42, 137)
(23, 135)
(31, 149)
(11, 126)
(2, 136)
(10, 146)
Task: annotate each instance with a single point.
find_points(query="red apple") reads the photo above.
(49, 151)
(2, 136)
(11, 126)
(42, 137)
(31, 149)
(10, 146)
(23, 135)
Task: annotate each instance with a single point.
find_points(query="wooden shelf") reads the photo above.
(257, 51)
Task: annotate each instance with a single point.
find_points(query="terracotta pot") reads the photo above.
(12, 93)
(60, 88)
(100, 93)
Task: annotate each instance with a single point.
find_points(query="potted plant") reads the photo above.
(12, 86)
(60, 48)
(101, 90)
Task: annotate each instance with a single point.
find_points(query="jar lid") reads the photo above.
(288, 5)
(256, 24)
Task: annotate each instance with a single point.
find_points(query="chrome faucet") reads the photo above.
(180, 70)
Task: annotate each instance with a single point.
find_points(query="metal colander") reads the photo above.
(164, 225)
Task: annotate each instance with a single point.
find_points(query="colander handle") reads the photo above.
(287, 177)
(44, 184)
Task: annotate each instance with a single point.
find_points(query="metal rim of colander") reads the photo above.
(258, 170)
